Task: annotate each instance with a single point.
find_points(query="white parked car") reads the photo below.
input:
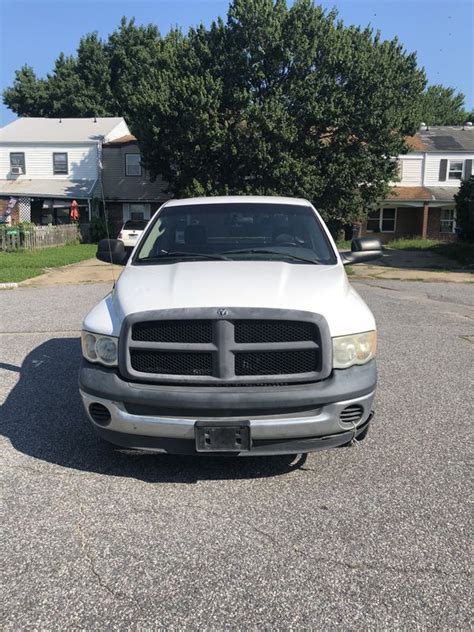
(232, 329)
(131, 231)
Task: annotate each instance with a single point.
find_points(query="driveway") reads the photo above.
(87, 271)
(370, 537)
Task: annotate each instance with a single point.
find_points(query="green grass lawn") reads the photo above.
(24, 264)
(413, 243)
(460, 251)
(343, 245)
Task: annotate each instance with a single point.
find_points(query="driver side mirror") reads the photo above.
(112, 251)
(362, 249)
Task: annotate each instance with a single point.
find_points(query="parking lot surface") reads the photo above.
(370, 537)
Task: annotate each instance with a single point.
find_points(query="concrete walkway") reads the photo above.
(414, 265)
(87, 271)
(401, 265)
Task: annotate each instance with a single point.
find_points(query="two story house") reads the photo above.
(46, 164)
(422, 202)
(128, 191)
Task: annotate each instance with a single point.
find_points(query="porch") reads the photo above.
(431, 216)
(45, 202)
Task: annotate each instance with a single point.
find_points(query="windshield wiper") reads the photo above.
(176, 254)
(263, 251)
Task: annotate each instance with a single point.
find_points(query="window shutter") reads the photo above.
(467, 168)
(443, 169)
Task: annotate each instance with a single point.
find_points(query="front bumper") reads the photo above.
(284, 419)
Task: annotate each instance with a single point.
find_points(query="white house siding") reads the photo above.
(432, 162)
(82, 161)
(411, 170)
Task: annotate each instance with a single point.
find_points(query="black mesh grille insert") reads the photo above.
(248, 331)
(276, 362)
(191, 331)
(171, 363)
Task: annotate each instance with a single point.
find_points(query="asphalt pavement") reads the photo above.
(372, 537)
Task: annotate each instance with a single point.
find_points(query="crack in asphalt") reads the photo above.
(334, 562)
(423, 298)
(119, 596)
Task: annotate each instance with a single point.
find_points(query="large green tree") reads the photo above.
(274, 99)
(287, 101)
(442, 106)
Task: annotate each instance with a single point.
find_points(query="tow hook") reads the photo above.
(353, 442)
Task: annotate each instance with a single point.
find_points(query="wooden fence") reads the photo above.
(33, 237)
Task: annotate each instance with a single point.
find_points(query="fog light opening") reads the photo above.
(351, 414)
(100, 414)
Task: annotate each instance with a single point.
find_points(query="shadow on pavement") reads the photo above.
(43, 417)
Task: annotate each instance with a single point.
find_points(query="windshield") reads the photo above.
(135, 225)
(241, 231)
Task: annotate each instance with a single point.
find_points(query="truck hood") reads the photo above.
(318, 289)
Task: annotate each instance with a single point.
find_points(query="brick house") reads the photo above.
(422, 202)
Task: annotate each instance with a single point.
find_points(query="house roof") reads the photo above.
(34, 129)
(415, 143)
(409, 193)
(122, 140)
(422, 194)
(443, 194)
(48, 188)
(445, 138)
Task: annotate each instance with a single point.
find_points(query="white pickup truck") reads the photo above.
(232, 329)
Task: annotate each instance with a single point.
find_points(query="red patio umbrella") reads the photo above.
(74, 211)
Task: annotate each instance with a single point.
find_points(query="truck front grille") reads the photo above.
(276, 362)
(248, 331)
(226, 350)
(170, 363)
(194, 331)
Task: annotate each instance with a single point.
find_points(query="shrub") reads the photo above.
(465, 209)
(98, 229)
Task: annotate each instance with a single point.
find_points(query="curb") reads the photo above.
(8, 286)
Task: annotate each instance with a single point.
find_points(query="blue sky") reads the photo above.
(36, 31)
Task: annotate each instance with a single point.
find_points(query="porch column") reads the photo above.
(424, 230)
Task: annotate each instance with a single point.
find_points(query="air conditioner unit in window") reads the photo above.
(16, 170)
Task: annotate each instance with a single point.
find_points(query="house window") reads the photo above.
(17, 159)
(455, 169)
(448, 220)
(132, 165)
(60, 166)
(382, 220)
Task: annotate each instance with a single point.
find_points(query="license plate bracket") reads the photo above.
(219, 436)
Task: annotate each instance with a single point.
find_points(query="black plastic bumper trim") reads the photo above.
(342, 385)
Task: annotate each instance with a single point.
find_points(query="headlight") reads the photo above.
(97, 348)
(354, 349)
